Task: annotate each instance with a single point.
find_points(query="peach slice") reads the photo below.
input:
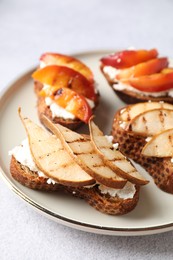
(63, 77)
(73, 102)
(153, 83)
(152, 122)
(67, 61)
(161, 145)
(145, 68)
(127, 58)
(167, 70)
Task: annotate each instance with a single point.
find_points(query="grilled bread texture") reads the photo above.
(102, 202)
(29, 178)
(131, 145)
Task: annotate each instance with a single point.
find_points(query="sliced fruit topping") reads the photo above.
(82, 152)
(73, 102)
(114, 158)
(152, 122)
(161, 145)
(145, 68)
(153, 83)
(131, 111)
(167, 70)
(51, 157)
(128, 58)
(67, 61)
(63, 77)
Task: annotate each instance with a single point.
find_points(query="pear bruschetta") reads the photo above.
(144, 132)
(89, 167)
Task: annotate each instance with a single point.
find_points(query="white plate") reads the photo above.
(154, 212)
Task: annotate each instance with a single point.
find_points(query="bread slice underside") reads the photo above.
(92, 195)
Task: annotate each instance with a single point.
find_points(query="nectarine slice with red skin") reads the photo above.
(64, 77)
(167, 70)
(145, 68)
(73, 103)
(67, 61)
(127, 58)
(153, 83)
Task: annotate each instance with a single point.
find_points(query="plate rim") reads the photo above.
(115, 231)
(84, 226)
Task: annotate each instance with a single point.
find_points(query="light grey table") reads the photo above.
(29, 28)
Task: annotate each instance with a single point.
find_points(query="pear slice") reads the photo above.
(52, 159)
(82, 152)
(152, 122)
(114, 158)
(131, 111)
(161, 145)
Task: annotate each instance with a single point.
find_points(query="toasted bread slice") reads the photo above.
(101, 202)
(131, 144)
(30, 178)
(131, 97)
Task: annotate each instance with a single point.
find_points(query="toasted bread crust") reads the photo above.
(131, 97)
(101, 202)
(43, 109)
(29, 178)
(105, 203)
(131, 144)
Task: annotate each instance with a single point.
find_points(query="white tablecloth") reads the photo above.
(29, 28)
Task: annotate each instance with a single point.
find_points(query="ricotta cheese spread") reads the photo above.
(148, 139)
(110, 140)
(123, 124)
(112, 72)
(127, 192)
(58, 111)
(23, 155)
